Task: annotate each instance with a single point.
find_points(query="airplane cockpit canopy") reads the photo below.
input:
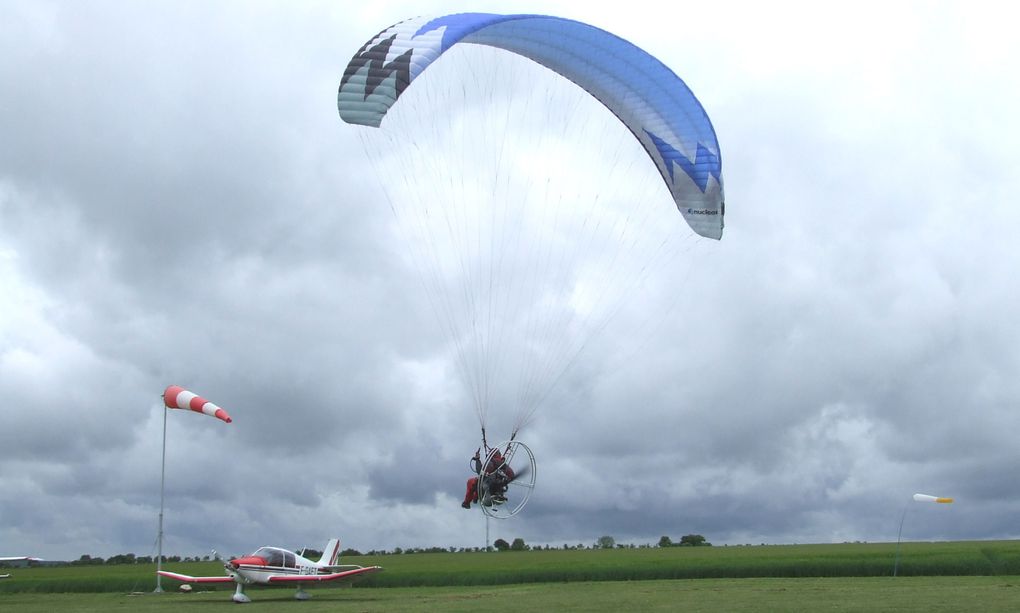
(274, 556)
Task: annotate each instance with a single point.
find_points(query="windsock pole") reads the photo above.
(176, 397)
(162, 488)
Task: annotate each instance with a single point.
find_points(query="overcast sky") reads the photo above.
(180, 204)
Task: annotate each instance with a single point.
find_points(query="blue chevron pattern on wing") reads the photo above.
(705, 162)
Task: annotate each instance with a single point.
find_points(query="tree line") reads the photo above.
(518, 544)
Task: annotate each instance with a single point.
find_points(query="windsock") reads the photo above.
(927, 498)
(176, 397)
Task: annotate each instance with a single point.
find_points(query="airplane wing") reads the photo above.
(344, 575)
(19, 559)
(190, 579)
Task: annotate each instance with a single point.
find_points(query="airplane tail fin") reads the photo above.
(330, 553)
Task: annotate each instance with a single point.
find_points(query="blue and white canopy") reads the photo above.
(648, 97)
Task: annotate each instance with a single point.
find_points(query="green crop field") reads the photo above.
(977, 575)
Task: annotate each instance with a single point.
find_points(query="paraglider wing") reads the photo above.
(650, 99)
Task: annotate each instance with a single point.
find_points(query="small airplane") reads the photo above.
(26, 559)
(274, 566)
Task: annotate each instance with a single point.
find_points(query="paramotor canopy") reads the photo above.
(655, 104)
(518, 169)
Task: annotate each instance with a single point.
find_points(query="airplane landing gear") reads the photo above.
(239, 596)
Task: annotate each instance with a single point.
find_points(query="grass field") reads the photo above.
(839, 594)
(953, 576)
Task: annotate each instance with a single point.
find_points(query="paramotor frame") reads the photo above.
(505, 489)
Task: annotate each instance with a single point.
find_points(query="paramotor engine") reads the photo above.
(506, 479)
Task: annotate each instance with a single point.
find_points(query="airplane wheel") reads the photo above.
(239, 596)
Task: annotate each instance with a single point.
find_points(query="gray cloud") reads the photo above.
(179, 204)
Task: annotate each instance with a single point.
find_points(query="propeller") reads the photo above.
(522, 472)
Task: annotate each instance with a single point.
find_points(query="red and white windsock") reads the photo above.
(176, 397)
